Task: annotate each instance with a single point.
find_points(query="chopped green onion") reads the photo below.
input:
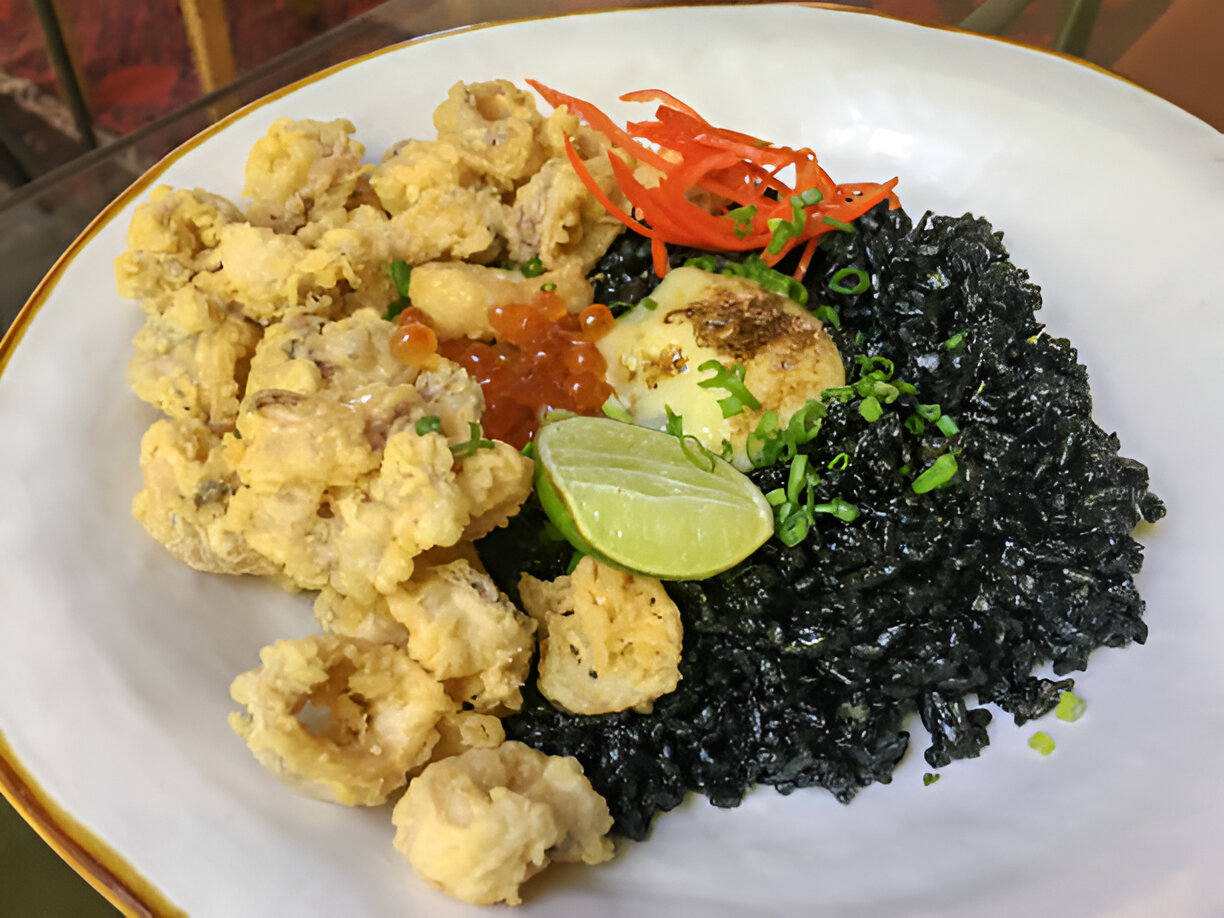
(743, 220)
(549, 287)
(805, 423)
(811, 196)
(797, 478)
(1041, 742)
(941, 471)
(928, 412)
(704, 262)
(886, 366)
(776, 497)
(1070, 707)
(616, 411)
(474, 442)
(842, 393)
(947, 426)
(903, 471)
(732, 380)
(766, 437)
(754, 268)
(915, 425)
(828, 314)
(885, 392)
(955, 342)
(870, 409)
(650, 303)
(792, 528)
(431, 423)
(861, 284)
(532, 267)
(395, 307)
(786, 230)
(839, 462)
(675, 422)
(697, 454)
(839, 224)
(928, 779)
(840, 508)
(401, 275)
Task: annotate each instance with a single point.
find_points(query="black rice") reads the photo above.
(801, 664)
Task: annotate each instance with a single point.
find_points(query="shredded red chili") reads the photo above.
(743, 170)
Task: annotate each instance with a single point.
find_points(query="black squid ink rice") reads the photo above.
(802, 663)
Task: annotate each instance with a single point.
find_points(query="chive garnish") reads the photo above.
(828, 314)
(1041, 742)
(861, 284)
(692, 448)
(400, 273)
(870, 409)
(770, 444)
(754, 268)
(940, 472)
(532, 267)
(840, 508)
(786, 230)
(431, 423)
(704, 262)
(743, 220)
(474, 442)
(732, 380)
(1070, 707)
(616, 411)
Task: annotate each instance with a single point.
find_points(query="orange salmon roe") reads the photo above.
(413, 342)
(544, 360)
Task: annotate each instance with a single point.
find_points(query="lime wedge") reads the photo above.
(630, 496)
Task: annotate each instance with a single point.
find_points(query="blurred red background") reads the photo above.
(134, 59)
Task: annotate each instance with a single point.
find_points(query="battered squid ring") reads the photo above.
(339, 719)
(480, 824)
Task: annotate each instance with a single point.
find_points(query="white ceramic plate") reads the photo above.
(115, 660)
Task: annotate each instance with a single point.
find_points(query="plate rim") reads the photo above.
(108, 872)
